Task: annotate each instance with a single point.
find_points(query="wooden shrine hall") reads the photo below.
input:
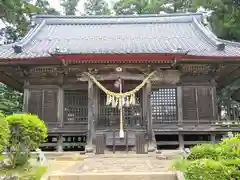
(123, 82)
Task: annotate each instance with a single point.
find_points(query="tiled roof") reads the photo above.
(169, 33)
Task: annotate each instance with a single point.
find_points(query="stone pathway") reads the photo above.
(57, 167)
(111, 165)
(115, 165)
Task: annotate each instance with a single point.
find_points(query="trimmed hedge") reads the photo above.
(213, 161)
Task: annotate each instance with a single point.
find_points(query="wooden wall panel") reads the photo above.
(35, 102)
(197, 103)
(50, 105)
(189, 103)
(43, 102)
(205, 104)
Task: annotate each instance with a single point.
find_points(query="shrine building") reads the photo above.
(137, 83)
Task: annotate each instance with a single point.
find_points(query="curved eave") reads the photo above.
(98, 58)
(37, 60)
(191, 59)
(121, 58)
(182, 58)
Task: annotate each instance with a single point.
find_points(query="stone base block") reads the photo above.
(117, 176)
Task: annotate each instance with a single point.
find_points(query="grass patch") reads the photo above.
(2, 157)
(37, 172)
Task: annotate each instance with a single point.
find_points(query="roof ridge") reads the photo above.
(117, 16)
(129, 19)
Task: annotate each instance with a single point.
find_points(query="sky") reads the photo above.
(56, 4)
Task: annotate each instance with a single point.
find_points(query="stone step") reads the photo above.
(118, 176)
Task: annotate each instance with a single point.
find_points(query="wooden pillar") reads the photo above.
(144, 107)
(60, 112)
(179, 105)
(60, 144)
(214, 103)
(60, 116)
(181, 141)
(151, 136)
(213, 138)
(89, 147)
(95, 112)
(26, 95)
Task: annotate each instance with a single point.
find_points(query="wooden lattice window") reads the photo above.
(76, 105)
(164, 105)
(109, 116)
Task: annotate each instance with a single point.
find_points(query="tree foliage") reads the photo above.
(44, 8)
(225, 18)
(69, 6)
(4, 133)
(96, 7)
(10, 100)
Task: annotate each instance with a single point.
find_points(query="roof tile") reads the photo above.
(124, 34)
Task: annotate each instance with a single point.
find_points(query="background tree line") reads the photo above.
(16, 14)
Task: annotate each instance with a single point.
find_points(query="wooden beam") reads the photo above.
(4, 78)
(114, 76)
(168, 76)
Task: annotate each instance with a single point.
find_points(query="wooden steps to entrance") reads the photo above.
(111, 141)
(118, 176)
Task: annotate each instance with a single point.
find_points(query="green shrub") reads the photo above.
(27, 133)
(4, 133)
(206, 169)
(231, 147)
(181, 164)
(213, 161)
(205, 151)
(31, 130)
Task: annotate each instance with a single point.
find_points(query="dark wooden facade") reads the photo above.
(176, 108)
(173, 105)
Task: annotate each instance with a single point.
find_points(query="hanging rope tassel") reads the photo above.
(113, 102)
(127, 102)
(108, 101)
(134, 99)
(120, 102)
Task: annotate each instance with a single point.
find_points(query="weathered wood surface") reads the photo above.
(43, 102)
(169, 76)
(179, 104)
